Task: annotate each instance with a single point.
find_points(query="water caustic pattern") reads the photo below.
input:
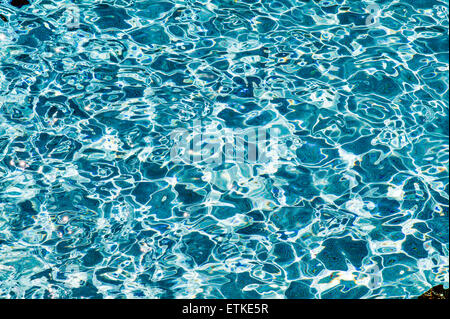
(109, 186)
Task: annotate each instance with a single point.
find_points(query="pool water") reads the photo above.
(223, 148)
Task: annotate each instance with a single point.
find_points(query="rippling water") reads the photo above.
(108, 188)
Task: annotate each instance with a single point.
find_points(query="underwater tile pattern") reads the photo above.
(352, 204)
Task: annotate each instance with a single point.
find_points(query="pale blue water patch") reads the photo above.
(223, 149)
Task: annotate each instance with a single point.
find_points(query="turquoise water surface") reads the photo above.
(223, 148)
